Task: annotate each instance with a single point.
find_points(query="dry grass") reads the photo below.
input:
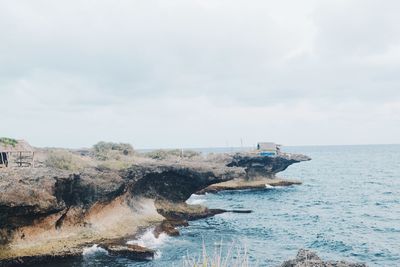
(114, 165)
(162, 154)
(65, 160)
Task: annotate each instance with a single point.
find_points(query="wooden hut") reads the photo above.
(268, 148)
(17, 153)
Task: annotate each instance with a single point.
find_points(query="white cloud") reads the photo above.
(200, 73)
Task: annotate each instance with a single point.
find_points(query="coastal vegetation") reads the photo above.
(235, 256)
(65, 160)
(110, 150)
(8, 141)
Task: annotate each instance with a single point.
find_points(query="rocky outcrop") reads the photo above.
(260, 171)
(169, 227)
(129, 251)
(176, 182)
(257, 166)
(52, 212)
(242, 184)
(42, 209)
(307, 258)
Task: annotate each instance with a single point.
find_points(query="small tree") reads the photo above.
(8, 141)
(109, 150)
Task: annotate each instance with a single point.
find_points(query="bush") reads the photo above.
(161, 154)
(109, 150)
(8, 141)
(64, 160)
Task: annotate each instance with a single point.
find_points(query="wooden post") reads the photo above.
(2, 159)
(20, 159)
(33, 160)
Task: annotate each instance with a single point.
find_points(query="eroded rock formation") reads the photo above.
(307, 258)
(52, 212)
(257, 166)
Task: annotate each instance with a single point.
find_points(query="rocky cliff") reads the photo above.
(307, 258)
(257, 166)
(53, 212)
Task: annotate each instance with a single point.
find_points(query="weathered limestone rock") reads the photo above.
(52, 212)
(133, 252)
(257, 166)
(307, 258)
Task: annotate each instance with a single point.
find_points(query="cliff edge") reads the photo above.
(47, 212)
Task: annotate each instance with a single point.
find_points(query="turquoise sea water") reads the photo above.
(348, 208)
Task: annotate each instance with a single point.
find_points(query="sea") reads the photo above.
(348, 208)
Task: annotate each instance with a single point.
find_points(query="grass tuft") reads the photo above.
(235, 256)
(161, 154)
(65, 160)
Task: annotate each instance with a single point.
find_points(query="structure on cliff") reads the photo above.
(268, 148)
(16, 153)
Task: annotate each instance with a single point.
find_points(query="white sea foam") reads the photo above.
(268, 186)
(149, 240)
(196, 199)
(93, 250)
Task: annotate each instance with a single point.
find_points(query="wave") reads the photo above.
(149, 240)
(93, 251)
(196, 199)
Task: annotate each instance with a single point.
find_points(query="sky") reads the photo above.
(200, 73)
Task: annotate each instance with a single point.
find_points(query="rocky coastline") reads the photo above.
(305, 258)
(48, 213)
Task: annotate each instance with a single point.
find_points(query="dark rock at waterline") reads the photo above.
(169, 227)
(40, 259)
(182, 211)
(132, 252)
(261, 183)
(307, 258)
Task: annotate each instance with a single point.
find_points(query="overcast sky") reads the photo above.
(200, 73)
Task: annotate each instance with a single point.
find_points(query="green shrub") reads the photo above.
(64, 160)
(109, 150)
(8, 141)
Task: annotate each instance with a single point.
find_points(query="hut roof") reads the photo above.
(20, 146)
(267, 146)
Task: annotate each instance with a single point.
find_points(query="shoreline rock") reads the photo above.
(38, 259)
(242, 184)
(306, 258)
(47, 212)
(130, 251)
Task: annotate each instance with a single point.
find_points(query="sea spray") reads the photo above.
(149, 240)
(93, 251)
(196, 199)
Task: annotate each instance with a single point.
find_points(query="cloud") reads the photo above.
(199, 73)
